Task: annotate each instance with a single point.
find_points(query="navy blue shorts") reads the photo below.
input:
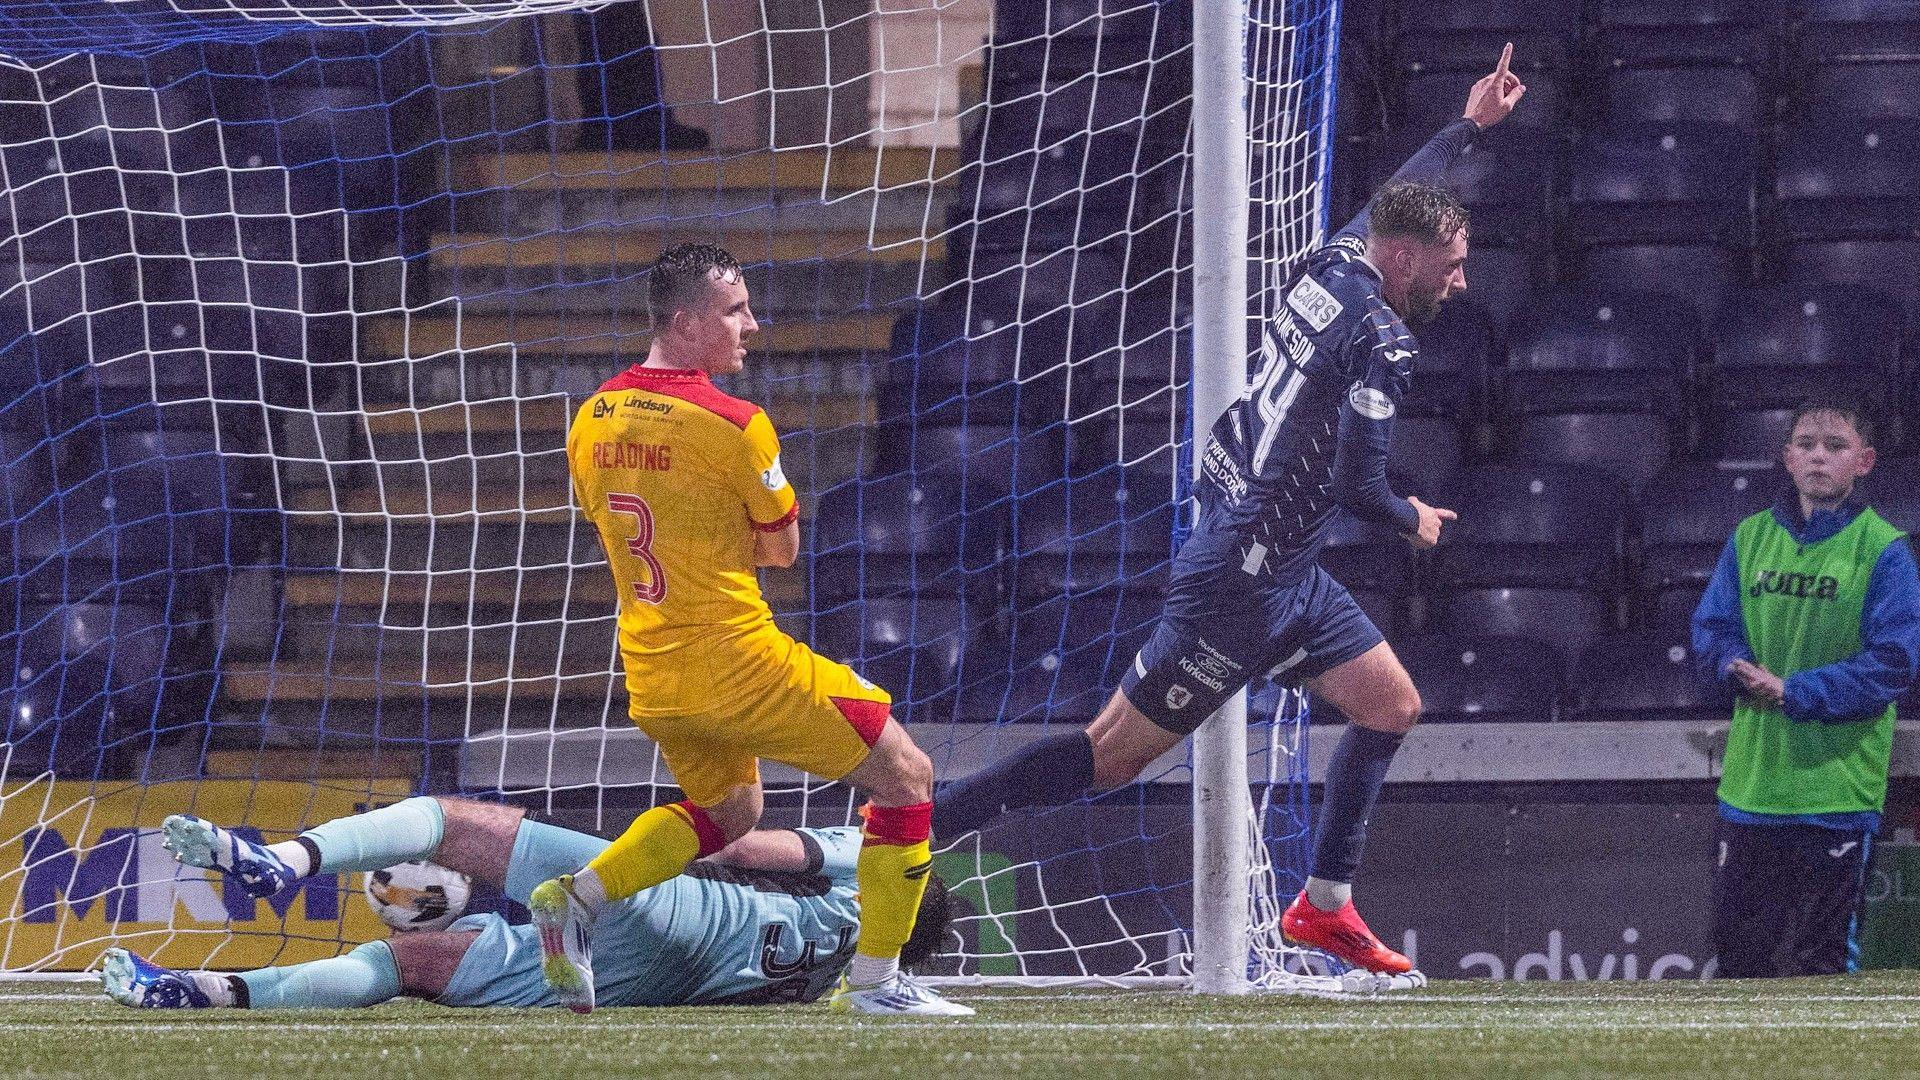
(1223, 627)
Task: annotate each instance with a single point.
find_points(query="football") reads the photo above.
(418, 895)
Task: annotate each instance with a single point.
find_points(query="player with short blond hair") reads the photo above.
(684, 484)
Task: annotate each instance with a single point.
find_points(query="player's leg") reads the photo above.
(1331, 645)
(1830, 893)
(475, 836)
(366, 976)
(1159, 702)
(1750, 908)
(723, 792)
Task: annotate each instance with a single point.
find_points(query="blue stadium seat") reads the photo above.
(1850, 179)
(1432, 99)
(1484, 677)
(89, 676)
(1897, 502)
(1549, 526)
(1425, 453)
(1858, 62)
(1889, 266)
(1375, 566)
(1727, 95)
(896, 535)
(1672, 613)
(1468, 36)
(956, 360)
(911, 646)
(1630, 445)
(1505, 179)
(1600, 349)
(1567, 619)
(1688, 511)
(1502, 275)
(1652, 33)
(1776, 345)
(1646, 676)
(1750, 437)
(1698, 275)
(1450, 375)
(1662, 184)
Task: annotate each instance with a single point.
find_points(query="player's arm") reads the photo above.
(772, 508)
(1719, 627)
(777, 548)
(806, 851)
(1360, 456)
(1860, 686)
(768, 849)
(1490, 101)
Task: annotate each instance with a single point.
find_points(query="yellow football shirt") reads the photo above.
(676, 476)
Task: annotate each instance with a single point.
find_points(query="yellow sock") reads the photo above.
(892, 874)
(657, 846)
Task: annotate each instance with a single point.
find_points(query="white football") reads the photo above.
(418, 895)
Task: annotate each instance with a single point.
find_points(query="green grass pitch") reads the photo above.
(1865, 1026)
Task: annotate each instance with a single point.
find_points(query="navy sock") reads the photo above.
(1053, 767)
(1354, 774)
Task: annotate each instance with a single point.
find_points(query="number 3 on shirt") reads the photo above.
(654, 589)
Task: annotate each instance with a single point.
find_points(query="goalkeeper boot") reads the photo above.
(139, 984)
(1342, 935)
(202, 843)
(566, 942)
(897, 996)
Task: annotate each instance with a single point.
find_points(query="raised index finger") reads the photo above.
(1506, 57)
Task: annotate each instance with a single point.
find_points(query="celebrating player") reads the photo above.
(770, 918)
(685, 487)
(1248, 596)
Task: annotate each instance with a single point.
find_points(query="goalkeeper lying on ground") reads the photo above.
(770, 918)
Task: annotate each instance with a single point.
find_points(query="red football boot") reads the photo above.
(1342, 934)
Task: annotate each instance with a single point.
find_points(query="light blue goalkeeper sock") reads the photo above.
(366, 976)
(404, 832)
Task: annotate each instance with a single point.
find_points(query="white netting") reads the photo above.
(295, 318)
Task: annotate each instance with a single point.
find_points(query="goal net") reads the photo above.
(298, 299)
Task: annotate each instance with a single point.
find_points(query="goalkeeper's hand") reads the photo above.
(1494, 96)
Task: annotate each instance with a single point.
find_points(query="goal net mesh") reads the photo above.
(297, 301)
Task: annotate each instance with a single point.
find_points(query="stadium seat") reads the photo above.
(951, 361)
(1631, 446)
(1889, 266)
(1432, 99)
(1696, 275)
(1505, 178)
(1375, 566)
(1450, 374)
(1467, 37)
(1673, 608)
(911, 646)
(985, 463)
(1653, 33)
(1548, 526)
(1600, 349)
(1849, 179)
(1502, 274)
(901, 535)
(1484, 677)
(1688, 511)
(1683, 95)
(88, 675)
(1425, 453)
(1566, 618)
(1750, 437)
(1628, 677)
(1662, 184)
(1774, 346)
(1898, 503)
(1855, 61)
